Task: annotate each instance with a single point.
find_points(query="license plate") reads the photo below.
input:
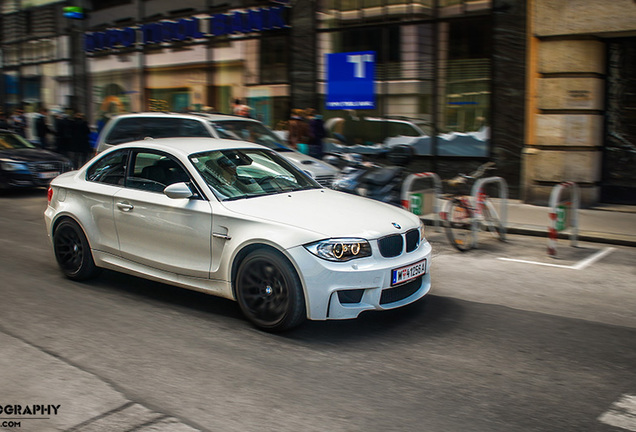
(48, 174)
(405, 274)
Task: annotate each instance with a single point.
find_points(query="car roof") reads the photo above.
(186, 146)
(191, 115)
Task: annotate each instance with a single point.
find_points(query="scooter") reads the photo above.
(369, 179)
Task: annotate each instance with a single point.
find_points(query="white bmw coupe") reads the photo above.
(235, 219)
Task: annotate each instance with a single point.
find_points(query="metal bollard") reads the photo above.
(573, 204)
(476, 193)
(437, 185)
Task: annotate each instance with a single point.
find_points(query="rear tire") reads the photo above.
(72, 251)
(269, 291)
(458, 223)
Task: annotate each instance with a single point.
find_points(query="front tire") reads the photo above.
(72, 251)
(269, 291)
(459, 225)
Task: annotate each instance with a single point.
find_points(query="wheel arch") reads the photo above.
(247, 249)
(63, 217)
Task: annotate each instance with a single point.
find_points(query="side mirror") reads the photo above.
(178, 190)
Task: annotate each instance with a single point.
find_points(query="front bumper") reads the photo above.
(344, 290)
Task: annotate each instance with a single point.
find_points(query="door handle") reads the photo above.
(124, 206)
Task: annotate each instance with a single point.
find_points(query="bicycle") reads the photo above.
(462, 218)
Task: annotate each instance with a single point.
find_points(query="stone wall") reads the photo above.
(568, 134)
(567, 93)
(583, 17)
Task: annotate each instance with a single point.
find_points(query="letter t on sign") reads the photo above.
(359, 61)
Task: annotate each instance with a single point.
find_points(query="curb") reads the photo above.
(586, 236)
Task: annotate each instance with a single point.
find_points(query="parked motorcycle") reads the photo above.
(369, 179)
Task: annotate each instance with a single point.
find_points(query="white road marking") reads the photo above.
(578, 266)
(621, 414)
(589, 260)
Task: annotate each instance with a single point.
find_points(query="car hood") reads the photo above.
(31, 155)
(307, 163)
(328, 213)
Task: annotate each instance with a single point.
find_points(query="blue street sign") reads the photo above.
(351, 80)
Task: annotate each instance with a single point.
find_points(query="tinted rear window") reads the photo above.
(138, 128)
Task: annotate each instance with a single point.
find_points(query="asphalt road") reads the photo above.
(498, 345)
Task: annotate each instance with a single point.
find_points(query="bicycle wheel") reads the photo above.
(492, 221)
(458, 222)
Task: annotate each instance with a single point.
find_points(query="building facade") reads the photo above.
(542, 96)
(581, 122)
(37, 61)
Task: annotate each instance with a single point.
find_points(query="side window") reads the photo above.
(193, 128)
(138, 128)
(154, 171)
(110, 169)
(161, 127)
(126, 130)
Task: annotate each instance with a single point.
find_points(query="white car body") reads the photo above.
(198, 243)
(321, 171)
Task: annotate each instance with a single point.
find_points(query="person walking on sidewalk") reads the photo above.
(18, 123)
(80, 139)
(42, 129)
(317, 133)
(63, 134)
(299, 131)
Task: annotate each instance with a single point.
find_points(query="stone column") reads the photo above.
(568, 121)
(303, 43)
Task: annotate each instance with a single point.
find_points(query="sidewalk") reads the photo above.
(43, 392)
(608, 223)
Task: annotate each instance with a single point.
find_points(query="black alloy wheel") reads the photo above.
(72, 251)
(269, 291)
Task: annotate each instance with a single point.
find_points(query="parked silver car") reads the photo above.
(137, 126)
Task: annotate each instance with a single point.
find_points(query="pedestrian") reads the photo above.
(236, 106)
(244, 111)
(240, 109)
(317, 128)
(80, 139)
(42, 129)
(18, 123)
(299, 131)
(63, 134)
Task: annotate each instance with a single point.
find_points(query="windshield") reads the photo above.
(11, 141)
(245, 173)
(249, 131)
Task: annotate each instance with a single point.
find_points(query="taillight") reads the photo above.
(49, 195)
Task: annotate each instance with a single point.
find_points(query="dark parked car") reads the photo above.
(22, 164)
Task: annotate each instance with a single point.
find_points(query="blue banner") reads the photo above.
(351, 80)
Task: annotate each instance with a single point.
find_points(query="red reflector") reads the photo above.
(49, 195)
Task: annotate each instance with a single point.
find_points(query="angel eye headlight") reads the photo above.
(340, 249)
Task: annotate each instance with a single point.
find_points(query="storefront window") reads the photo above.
(432, 97)
(114, 93)
(468, 78)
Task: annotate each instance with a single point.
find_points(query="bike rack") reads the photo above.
(475, 194)
(437, 188)
(558, 214)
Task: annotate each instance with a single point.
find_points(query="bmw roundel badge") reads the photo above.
(396, 225)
